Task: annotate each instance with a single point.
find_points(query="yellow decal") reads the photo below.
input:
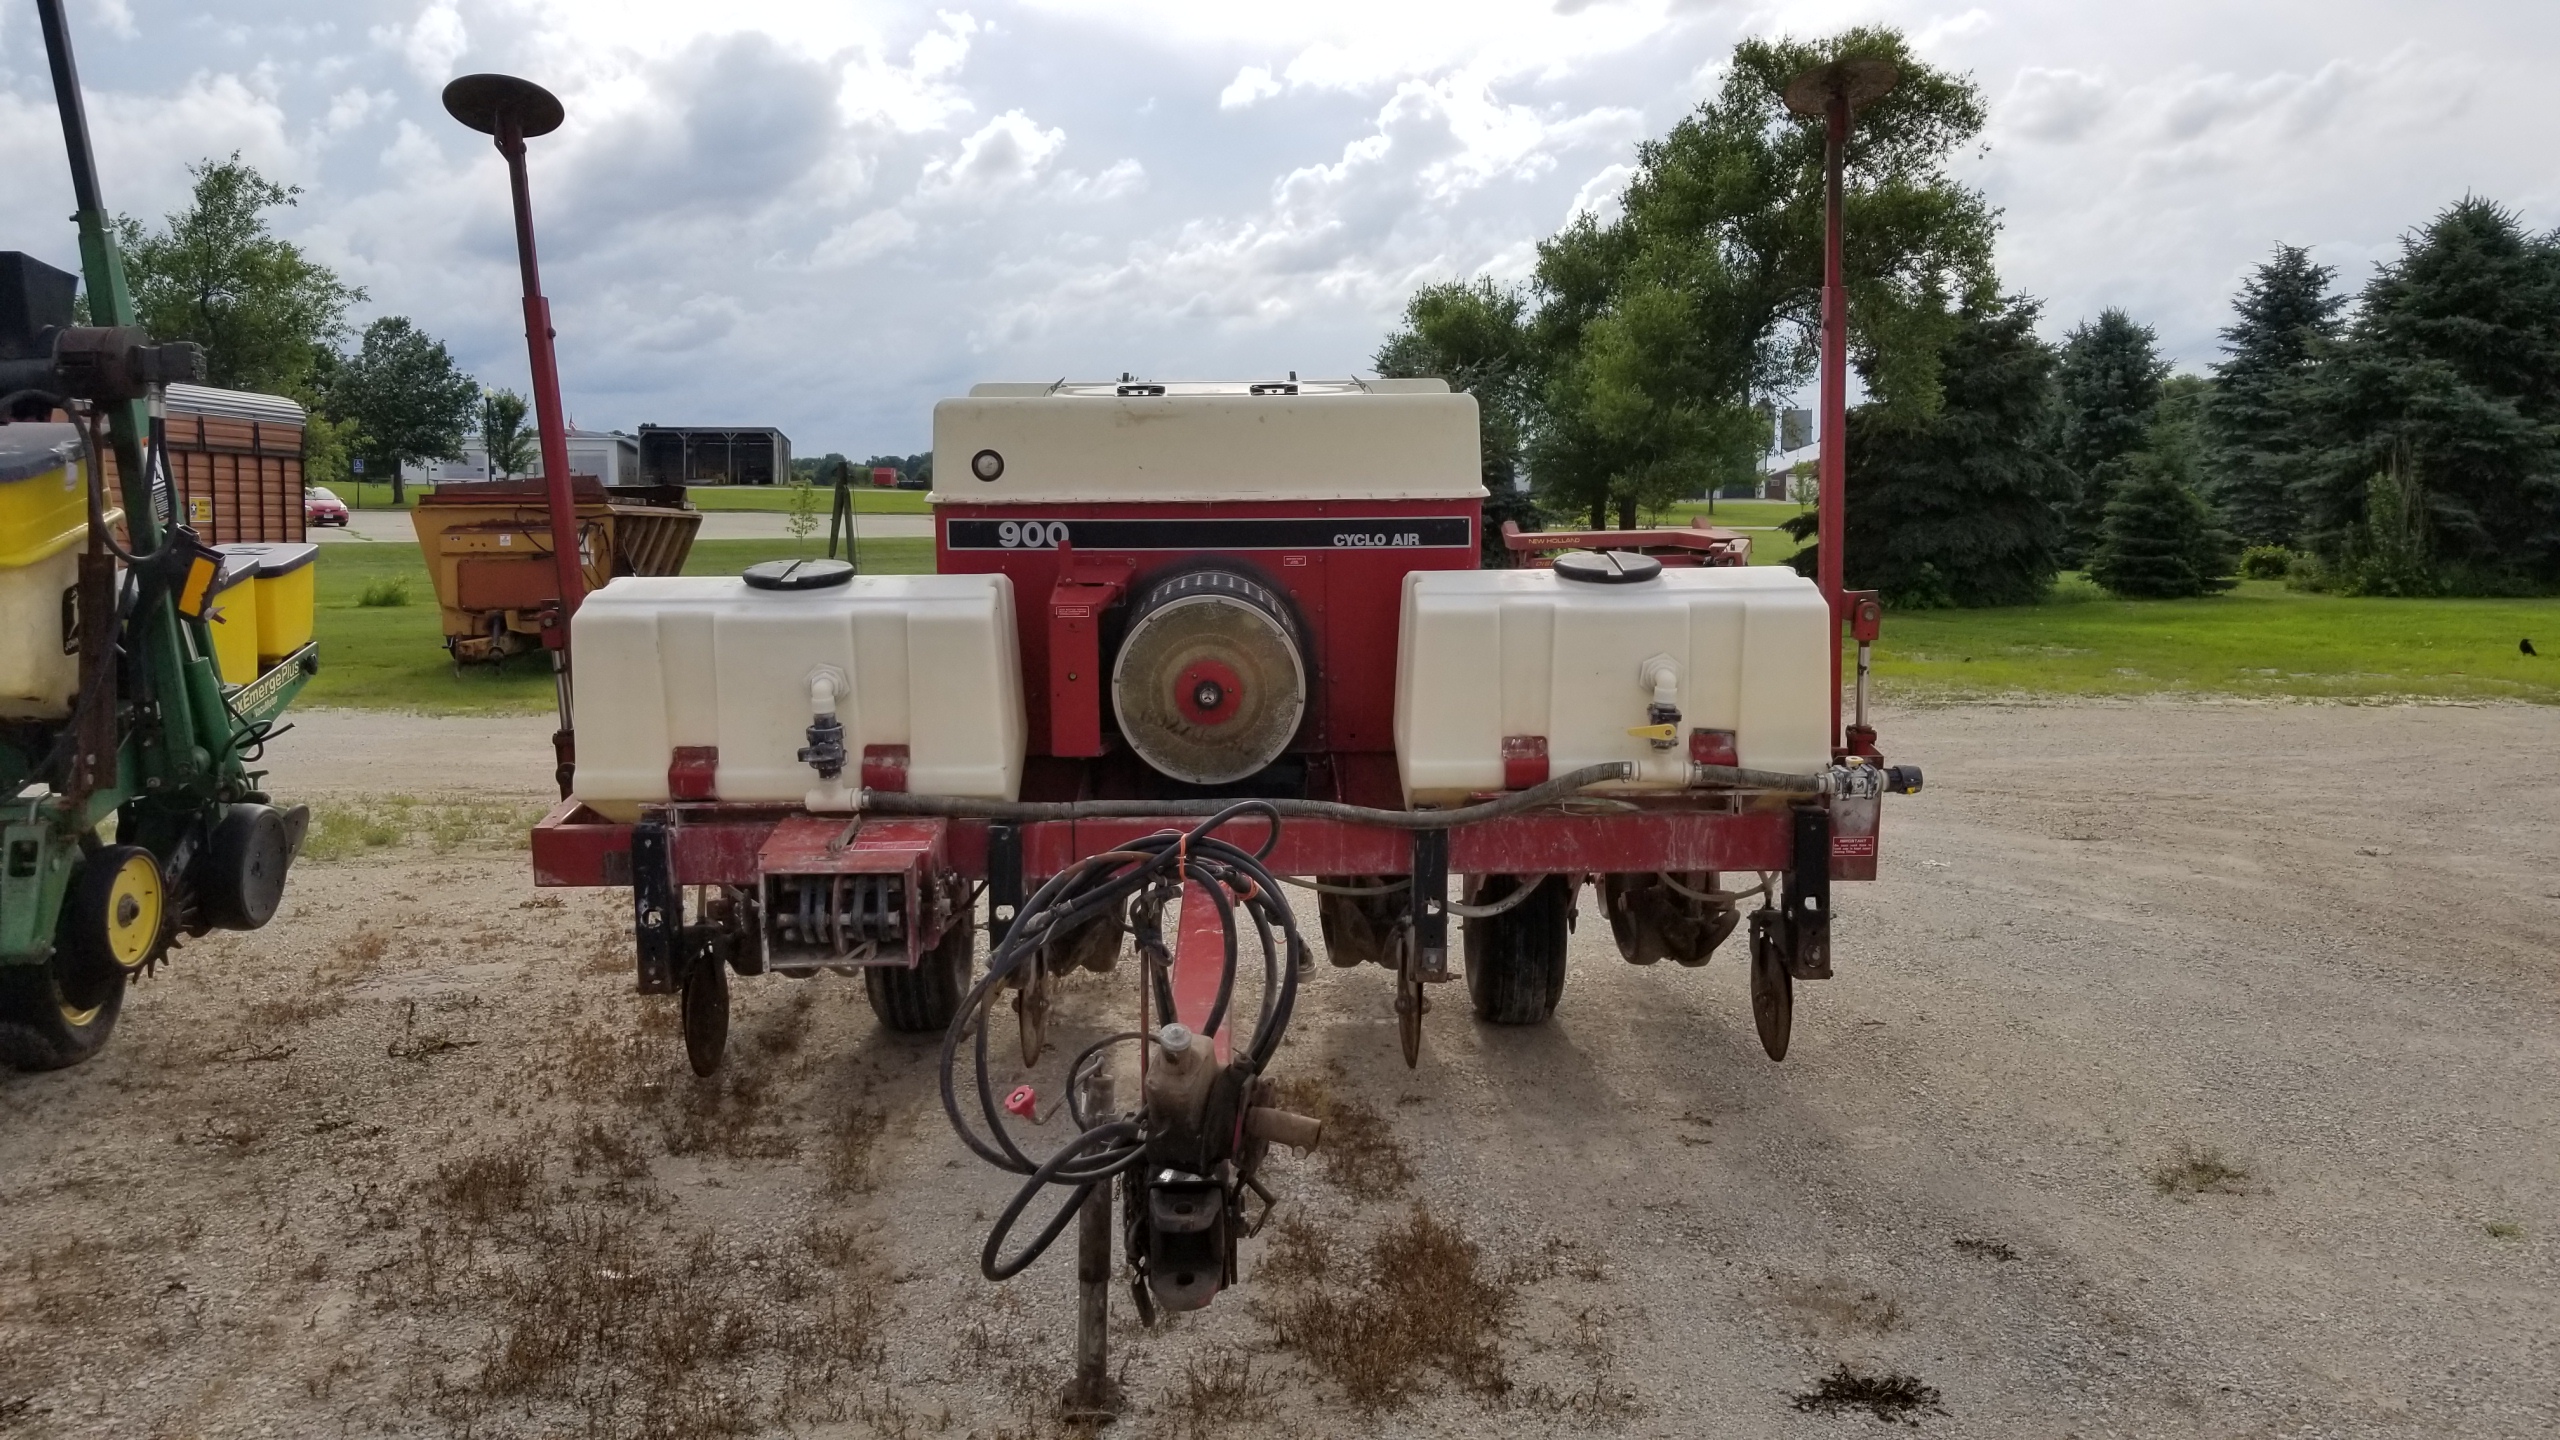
(191, 595)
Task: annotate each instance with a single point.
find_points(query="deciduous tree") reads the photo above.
(503, 433)
(266, 313)
(409, 400)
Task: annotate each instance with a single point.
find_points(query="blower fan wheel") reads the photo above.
(1211, 679)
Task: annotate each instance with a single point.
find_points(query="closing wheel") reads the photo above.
(60, 1012)
(1411, 1003)
(1515, 960)
(117, 911)
(706, 1012)
(1773, 990)
(921, 1000)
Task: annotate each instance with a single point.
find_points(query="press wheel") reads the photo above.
(1773, 990)
(1031, 1009)
(920, 1000)
(1411, 1003)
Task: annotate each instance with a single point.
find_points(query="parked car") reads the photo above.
(321, 507)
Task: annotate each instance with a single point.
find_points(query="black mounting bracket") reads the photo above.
(657, 908)
(1430, 897)
(1807, 906)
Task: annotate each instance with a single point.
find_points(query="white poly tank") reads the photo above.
(929, 662)
(1489, 654)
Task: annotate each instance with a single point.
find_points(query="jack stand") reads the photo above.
(1093, 1397)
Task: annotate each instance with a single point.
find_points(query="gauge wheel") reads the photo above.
(921, 999)
(60, 1012)
(118, 909)
(1515, 960)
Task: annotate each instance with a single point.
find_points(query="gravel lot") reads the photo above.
(2191, 1071)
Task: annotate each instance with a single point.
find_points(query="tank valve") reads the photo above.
(1661, 675)
(825, 750)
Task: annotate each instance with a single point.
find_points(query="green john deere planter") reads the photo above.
(129, 816)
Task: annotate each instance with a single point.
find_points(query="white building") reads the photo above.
(609, 455)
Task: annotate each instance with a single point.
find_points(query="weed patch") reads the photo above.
(490, 1186)
(1415, 1299)
(1888, 1397)
(2191, 1170)
(349, 830)
(1216, 1397)
(1833, 1307)
(1360, 1153)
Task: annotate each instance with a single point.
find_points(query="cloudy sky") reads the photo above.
(826, 215)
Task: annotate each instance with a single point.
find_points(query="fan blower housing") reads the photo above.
(1210, 683)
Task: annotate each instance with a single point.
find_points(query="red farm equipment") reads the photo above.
(1186, 643)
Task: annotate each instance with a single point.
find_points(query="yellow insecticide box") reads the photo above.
(44, 521)
(285, 580)
(231, 615)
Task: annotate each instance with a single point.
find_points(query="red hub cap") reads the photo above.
(1208, 692)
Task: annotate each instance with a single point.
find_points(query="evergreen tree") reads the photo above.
(2448, 381)
(1958, 508)
(2109, 384)
(2162, 541)
(2255, 436)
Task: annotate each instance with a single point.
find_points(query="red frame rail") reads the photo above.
(714, 844)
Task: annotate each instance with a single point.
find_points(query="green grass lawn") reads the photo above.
(866, 501)
(1737, 514)
(376, 495)
(2258, 640)
(392, 657)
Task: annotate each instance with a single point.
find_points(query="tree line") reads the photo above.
(272, 319)
(2402, 441)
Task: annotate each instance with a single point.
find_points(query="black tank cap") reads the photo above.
(798, 574)
(1607, 567)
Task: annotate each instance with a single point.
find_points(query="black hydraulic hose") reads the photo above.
(1023, 812)
(1146, 872)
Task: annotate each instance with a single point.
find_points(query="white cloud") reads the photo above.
(1946, 28)
(1252, 84)
(1005, 154)
(432, 43)
(2054, 105)
(865, 236)
(981, 191)
(351, 108)
(1600, 196)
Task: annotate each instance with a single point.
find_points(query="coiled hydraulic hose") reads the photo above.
(1144, 874)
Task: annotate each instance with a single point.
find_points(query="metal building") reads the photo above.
(714, 455)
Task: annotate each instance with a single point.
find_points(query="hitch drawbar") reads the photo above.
(1182, 1163)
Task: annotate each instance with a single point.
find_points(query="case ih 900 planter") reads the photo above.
(1216, 633)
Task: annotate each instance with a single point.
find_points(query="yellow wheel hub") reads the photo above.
(134, 904)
